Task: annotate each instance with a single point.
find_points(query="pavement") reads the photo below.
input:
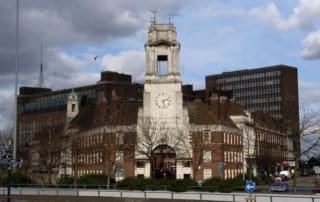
(305, 181)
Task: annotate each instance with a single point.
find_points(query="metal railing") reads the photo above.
(202, 196)
(259, 189)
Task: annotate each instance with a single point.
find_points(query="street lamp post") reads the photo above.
(16, 84)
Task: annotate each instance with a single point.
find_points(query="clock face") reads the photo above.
(163, 101)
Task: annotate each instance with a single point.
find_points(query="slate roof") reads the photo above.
(213, 113)
(95, 115)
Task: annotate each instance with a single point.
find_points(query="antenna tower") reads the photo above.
(154, 15)
(171, 15)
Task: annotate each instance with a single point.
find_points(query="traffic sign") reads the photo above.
(250, 186)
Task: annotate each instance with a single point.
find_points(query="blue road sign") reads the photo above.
(250, 186)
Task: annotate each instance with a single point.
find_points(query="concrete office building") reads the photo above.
(272, 89)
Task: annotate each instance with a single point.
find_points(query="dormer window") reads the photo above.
(162, 65)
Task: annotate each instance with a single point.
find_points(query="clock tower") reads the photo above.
(162, 121)
(162, 88)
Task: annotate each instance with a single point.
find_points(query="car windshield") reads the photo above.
(278, 184)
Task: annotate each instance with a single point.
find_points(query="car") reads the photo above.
(307, 172)
(279, 187)
(285, 175)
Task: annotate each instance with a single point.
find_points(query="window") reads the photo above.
(206, 156)
(118, 171)
(73, 107)
(119, 138)
(162, 65)
(187, 164)
(119, 156)
(140, 164)
(206, 137)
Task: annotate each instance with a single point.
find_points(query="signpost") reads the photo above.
(317, 171)
(250, 187)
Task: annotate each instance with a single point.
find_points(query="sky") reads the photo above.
(215, 36)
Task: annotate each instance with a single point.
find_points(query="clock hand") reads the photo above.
(164, 100)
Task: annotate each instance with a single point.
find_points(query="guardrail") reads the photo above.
(259, 189)
(201, 196)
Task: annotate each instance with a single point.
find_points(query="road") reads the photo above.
(308, 181)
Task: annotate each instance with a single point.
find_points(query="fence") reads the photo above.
(201, 196)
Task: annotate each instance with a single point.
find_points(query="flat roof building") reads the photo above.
(272, 89)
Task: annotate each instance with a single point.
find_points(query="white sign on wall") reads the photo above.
(316, 169)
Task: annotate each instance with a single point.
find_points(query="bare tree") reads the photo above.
(48, 145)
(107, 142)
(159, 134)
(308, 132)
(5, 135)
(199, 146)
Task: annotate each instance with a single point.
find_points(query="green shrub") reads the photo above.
(183, 185)
(19, 178)
(16, 178)
(65, 180)
(93, 179)
(157, 184)
(221, 185)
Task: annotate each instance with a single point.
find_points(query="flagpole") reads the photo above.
(16, 84)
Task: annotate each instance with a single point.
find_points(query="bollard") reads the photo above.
(251, 198)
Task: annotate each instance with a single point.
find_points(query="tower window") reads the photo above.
(73, 107)
(162, 65)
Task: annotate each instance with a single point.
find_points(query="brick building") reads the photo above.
(157, 130)
(272, 89)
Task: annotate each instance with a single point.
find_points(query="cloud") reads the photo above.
(130, 62)
(270, 15)
(311, 46)
(304, 16)
(65, 27)
(309, 94)
(6, 108)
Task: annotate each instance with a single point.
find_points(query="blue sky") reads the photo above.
(215, 36)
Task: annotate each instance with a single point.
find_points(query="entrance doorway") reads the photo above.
(164, 162)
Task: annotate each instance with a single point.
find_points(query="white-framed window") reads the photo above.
(187, 164)
(206, 136)
(119, 156)
(207, 156)
(140, 164)
(119, 138)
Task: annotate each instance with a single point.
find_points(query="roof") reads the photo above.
(213, 113)
(266, 120)
(96, 115)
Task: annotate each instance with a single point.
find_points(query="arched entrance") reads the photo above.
(163, 162)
